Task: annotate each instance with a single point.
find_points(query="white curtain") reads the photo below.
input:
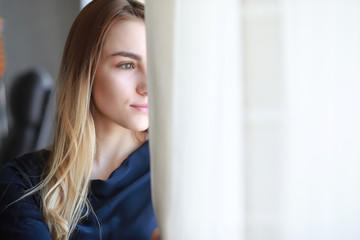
(255, 112)
(196, 133)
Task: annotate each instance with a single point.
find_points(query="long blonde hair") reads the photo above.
(65, 185)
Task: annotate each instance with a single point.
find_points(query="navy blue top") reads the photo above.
(122, 203)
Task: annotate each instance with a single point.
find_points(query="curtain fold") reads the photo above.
(196, 133)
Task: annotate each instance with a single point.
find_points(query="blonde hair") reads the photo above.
(64, 187)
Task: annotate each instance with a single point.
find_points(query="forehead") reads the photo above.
(126, 35)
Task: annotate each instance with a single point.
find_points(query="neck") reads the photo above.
(113, 145)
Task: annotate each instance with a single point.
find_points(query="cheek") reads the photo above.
(110, 89)
(103, 82)
(101, 89)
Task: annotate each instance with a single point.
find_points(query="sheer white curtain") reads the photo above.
(195, 87)
(255, 112)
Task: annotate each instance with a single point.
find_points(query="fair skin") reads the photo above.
(120, 98)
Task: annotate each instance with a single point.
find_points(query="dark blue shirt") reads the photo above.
(122, 203)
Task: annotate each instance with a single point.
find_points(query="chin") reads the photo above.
(140, 128)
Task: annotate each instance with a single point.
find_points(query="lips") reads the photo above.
(140, 107)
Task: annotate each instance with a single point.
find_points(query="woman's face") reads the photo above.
(120, 88)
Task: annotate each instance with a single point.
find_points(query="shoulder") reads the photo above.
(25, 170)
(21, 218)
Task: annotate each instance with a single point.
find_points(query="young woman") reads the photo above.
(94, 182)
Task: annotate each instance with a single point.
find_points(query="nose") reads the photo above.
(142, 85)
(142, 88)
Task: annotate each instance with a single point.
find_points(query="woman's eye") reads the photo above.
(126, 66)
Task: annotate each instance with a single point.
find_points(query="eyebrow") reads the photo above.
(127, 54)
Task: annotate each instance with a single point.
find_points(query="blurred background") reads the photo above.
(301, 78)
(33, 36)
(34, 33)
(302, 115)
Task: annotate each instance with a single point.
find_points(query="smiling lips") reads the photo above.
(140, 107)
